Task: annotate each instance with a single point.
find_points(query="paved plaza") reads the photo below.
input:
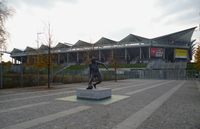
(135, 104)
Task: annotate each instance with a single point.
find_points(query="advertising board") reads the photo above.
(181, 53)
(157, 52)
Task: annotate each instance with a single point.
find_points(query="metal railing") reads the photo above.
(74, 76)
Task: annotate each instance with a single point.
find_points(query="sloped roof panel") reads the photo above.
(81, 44)
(105, 42)
(43, 47)
(15, 50)
(130, 39)
(29, 49)
(62, 45)
(183, 36)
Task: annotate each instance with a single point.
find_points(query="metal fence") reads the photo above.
(161, 74)
(173, 74)
(74, 76)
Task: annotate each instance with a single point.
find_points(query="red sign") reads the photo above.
(156, 52)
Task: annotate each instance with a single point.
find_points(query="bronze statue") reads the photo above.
(95, 73)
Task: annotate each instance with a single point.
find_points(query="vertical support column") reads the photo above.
(67, 58)
(188, 57)
(21, 70)
(35, 59)
(58, 59)
(150, 49)
(149, 52)
(112, 53)
(140, 53)
(100, 55)
(125, 54)
(77, 57)
(163, 53)
(27, 62)
(63, 58)
(28, 59)
(174, 54)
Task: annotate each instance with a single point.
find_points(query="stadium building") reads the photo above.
(174, 47)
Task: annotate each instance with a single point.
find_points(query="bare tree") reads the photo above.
(87, 56)
(49, 53)
(44, 60)
(4, 13)
(48, 41)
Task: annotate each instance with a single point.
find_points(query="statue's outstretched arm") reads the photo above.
(102, 64)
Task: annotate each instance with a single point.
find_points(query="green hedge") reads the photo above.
(191, 66)
(132, 65)
(25, 80)
(77, 67)
(73, 74)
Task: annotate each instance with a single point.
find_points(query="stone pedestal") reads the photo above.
(94, 94)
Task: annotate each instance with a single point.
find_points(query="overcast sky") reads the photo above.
(89, 20)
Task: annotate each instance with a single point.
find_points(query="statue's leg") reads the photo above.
(90, 82)
(99, 78)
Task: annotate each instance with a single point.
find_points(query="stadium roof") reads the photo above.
(29, 49)
(43, 47)
(183, 36)
(15, 50)
(180, 38)
(81, 44)
(130, 39)
(62, 45)
(105, 42)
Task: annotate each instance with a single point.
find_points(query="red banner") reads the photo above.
(157, 52)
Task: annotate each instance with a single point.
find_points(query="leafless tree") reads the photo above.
(4, 13)
(48, 40)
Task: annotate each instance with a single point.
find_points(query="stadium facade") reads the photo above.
(174, 47)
